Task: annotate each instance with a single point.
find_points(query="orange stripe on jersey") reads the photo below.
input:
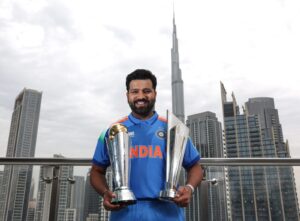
(162, 119)
(121, 120)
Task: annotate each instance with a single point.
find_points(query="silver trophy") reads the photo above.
(177, 137)
(118, 144)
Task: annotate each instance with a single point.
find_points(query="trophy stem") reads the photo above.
(123, 196)
(167, 195)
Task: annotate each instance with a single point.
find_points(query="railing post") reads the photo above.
(51, 178)
(204, 200)
(204, 197)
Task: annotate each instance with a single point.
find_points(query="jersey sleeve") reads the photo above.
(101, 157)
(191, 155)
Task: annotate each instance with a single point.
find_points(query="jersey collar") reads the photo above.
(149, 121)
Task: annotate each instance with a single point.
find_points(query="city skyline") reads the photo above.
(78, 102)
(54, 47)
(49, 48)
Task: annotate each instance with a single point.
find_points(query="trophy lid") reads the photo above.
(115, 129)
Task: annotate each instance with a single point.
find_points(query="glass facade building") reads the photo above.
(15, 186)
(257, 193)
(63, 193)
(206, 134)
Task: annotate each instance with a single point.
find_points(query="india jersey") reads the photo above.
(147, 155)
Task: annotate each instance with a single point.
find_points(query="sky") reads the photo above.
(78, 54)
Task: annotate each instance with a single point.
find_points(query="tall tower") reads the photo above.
(77, 197)
(177, 82)
(206, 134)
(62, 191)
(92, 200)
(257, 193)
(15, 189)
(271, 131)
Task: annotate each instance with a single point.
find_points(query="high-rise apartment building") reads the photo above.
(77, 197)
(177, 82)
(31, 210)
(104, 214)
(62, 191)
(70, 215)
(206, 134)
(15, 188)
(257, 193)
(92, 200)
(1, 178)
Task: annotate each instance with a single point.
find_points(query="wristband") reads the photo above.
(191, 187)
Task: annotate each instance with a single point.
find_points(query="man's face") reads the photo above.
(141, 97)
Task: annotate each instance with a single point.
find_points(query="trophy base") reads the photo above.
(167, 195)
(124, 196)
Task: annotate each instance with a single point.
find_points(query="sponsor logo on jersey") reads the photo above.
(143, 151)
(131, 133)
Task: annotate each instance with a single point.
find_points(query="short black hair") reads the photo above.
(141, 74)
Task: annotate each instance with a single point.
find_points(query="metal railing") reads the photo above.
(203, 161)
(52, 170)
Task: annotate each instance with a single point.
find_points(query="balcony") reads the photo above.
(233, 189)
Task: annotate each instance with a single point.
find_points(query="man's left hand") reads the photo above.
(183, 196)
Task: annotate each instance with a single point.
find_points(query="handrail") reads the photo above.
(203, 161)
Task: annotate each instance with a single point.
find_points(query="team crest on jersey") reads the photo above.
(161, 134)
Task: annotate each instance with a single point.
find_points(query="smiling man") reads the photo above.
(148, 159)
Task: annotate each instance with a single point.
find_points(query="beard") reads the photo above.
(142, 111)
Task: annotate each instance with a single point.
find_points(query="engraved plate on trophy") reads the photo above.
(118, 144)
(177, 136)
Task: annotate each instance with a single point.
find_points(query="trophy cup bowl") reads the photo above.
(177, 136)
(118, 143)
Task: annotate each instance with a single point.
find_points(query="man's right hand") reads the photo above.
(107, 197)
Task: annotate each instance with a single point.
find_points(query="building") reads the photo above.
(70, 215)
(77, 197)
(1, 178)
(14, 194)
(206, 134)
(93, 217)
(31, 210)
(257, 193)
(59, 189)
(92, 200)
(177, 82)
(104, 214)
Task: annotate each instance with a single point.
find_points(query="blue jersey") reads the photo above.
(147, 155)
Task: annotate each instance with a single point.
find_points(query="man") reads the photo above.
(147, 155)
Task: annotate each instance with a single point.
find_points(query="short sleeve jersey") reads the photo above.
(147, 154)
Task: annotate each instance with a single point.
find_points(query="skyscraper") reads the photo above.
(1, 178)
(257, 193)
(92, 200)
(104, 214)
(77, 197)
(14, 195)
(177, 82)
(62, 192)
(206, 134)
(271, 131)
(31, 210)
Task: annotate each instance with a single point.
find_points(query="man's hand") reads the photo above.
(107, 197)
(183, 196)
